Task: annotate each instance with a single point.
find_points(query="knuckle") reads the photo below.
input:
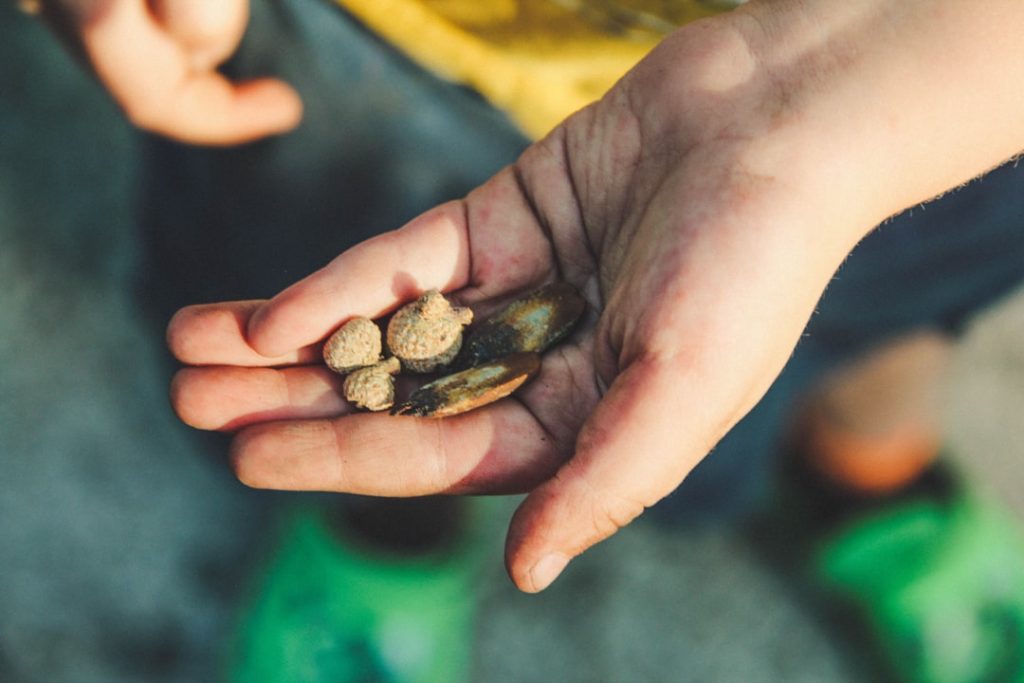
(442, 464)
(604, 511)
(608, 515)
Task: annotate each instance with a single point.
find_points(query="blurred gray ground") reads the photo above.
(124, 539)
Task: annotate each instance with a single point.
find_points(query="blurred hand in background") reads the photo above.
(159, 58)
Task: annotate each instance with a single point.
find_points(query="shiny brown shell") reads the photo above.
(472, 388)
(532, 323)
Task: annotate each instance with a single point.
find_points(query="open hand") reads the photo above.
(699, 208)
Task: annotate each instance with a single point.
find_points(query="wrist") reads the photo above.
(905, 99)
(730, 99)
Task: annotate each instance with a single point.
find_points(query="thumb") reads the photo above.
(207, 31)
(634, 449)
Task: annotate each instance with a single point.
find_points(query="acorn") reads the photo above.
(427, 334)
(356, 344)
(373, 387)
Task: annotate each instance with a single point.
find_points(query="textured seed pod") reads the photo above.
(532, 323)
(356, 344)
(473, 388)
(427, 333)
(372, 387)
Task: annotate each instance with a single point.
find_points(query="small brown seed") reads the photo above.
(532, 323)
(356, 344)
(427, 333)
(373, 387)
(473, 388)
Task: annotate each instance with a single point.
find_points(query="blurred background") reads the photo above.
(125, 542)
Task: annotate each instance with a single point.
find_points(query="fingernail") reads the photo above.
(547, 570)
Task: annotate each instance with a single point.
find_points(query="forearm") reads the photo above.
(908, 98)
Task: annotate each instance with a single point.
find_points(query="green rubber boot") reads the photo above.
(328, 612)
(940, 584)
(928, 582)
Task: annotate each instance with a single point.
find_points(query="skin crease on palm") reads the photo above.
(701, 206)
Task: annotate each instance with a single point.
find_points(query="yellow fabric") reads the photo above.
(539, 60)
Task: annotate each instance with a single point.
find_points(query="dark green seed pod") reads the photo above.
(472, 388)
(532, 323)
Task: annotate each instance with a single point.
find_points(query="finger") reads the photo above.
(207, 31)
(499, 449)
(214, 334)
(227, 398)
(149, 75)
(636, 448)
(507, 252)
(369, 280)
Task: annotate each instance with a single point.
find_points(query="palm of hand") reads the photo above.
(647, 211)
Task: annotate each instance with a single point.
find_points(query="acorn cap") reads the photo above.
(427, 333)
